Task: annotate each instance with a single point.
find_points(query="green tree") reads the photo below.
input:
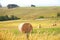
(33, 5)
(41, 17)
(0, 5)
(5, 18)
(14, 17)
(2, 18)
(58, 14)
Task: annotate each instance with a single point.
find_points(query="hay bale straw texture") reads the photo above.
(25, 27)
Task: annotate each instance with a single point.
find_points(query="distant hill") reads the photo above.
(31, 12)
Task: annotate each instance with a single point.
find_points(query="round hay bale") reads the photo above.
(54, 24)
(25, 27)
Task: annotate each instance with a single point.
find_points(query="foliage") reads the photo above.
(41, 17)
(12, 6)
(33, 6)
(58, 14)
(14, 17)
(5, 18)
(0, 5)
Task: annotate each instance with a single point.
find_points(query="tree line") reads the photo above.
(6, 18)
(14, 6)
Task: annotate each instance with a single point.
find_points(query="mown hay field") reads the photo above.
(9, 30)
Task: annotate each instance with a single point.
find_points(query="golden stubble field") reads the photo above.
(9, 30)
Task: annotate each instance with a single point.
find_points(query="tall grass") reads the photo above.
(37, 34)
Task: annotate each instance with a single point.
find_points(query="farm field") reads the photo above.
(47, 28)
(9, 30)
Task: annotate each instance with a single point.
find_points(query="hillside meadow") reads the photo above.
(31, 12)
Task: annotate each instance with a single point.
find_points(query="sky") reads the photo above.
(29, 2)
